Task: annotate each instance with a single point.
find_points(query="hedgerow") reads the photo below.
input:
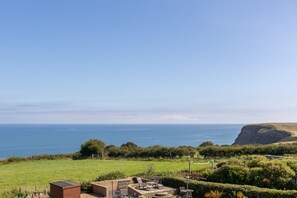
(229, 190)
(236, 150)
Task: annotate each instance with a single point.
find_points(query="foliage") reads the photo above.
(293, 166)
(236, 150)
(14, 193)
(21, 195)
(92, 147)
(239, 194)
(112, 151)
(253, 170)
(111, 176)
(131, 150)
(129, 146)
(231, 161)
(201, 187)
(206, 143)
(14, 159)
(213, 194)
(150, 171)
(230, 174)
(37, 157)
(86, 186)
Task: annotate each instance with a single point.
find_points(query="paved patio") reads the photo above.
(91, 195)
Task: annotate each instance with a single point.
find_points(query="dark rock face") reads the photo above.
(261, 134)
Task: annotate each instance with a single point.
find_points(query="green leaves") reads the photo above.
(92, 147)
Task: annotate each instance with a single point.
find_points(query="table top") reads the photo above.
(187, 190)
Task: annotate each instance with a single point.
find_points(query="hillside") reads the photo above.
(267, 133)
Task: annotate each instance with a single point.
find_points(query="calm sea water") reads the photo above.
(27, 140)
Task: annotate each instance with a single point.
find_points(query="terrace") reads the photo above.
(131, 187)
(119, 188)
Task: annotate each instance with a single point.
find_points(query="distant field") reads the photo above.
(29, 175)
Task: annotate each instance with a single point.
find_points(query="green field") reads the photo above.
(31, 174)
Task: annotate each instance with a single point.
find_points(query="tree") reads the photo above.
(112, 151)
(206, 143)
(130, 146)
(92, 147)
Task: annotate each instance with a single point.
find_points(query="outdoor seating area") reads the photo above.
(149, 190)
(132, 187)
(120, 188)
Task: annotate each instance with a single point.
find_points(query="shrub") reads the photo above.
(254, 170)
(111, 176)
(14, 193)
(150, 171)
(14, 159)
(112, 151)
(38, 157)
(229, 190)
(129, 146)
(206, 143)
(50, 156)
(230, 174)
(213, 194)
(236, 150)
(239, 194)
(86, 186)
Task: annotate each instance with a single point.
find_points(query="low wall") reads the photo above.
(107, 188)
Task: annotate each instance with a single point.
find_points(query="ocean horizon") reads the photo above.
(21, 140)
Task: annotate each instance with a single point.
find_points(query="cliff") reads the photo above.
(267, 133)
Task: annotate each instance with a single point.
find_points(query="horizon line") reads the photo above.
(122, 123)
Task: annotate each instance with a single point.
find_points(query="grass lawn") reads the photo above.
(28, 175)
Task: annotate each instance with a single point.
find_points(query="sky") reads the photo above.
(169, 61)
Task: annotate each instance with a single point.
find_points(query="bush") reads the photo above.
(253, 170)
(14, 159)
(130, 146)
(230, 174)
(111, 176)
(239, 194)
(229, 190)
(131, 150)
(150, 171)
(236, 150)
(38, 157)
(206, 143)
(51, 157)
(86, 186)
(112, 151)
(213, 194)
(14, 193)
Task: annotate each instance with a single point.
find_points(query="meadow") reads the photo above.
(29, 175)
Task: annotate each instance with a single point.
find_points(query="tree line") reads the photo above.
(97, 148)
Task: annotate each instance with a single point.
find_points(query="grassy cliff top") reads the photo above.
(289, 127)
(267, 133)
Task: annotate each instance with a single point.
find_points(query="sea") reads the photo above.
(21, 140)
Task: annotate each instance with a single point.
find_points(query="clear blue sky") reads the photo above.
(148, 61)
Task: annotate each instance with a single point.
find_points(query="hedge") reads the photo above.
(38, 157)
(230, 151)
(229, 190)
